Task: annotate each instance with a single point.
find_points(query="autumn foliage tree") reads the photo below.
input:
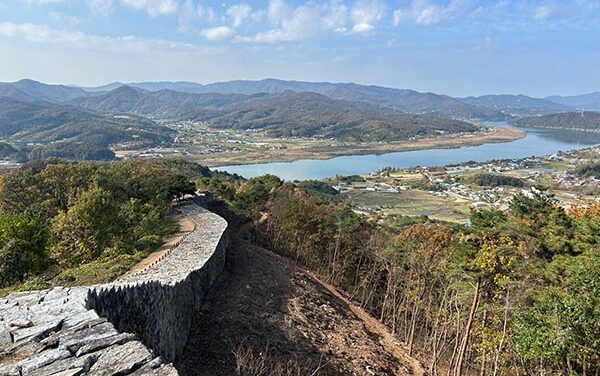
(513, 293)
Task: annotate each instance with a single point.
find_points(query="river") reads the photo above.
(537, 142)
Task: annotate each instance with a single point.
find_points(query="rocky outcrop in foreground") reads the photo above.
(132, 327)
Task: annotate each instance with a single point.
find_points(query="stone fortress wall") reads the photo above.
(132, 326)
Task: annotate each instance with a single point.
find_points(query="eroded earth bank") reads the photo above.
(267, 317)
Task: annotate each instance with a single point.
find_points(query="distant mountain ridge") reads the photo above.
(567, 120)
(404, 100)
(31, 90)
(165, 103)
(489, 107)
(280, 114)
(517, 104)
(305, 114)
(485, 107)
(589, 102)
(60, 118)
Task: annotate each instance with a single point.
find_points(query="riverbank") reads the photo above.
(323, 149)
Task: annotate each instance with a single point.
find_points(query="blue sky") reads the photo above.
(455, 47)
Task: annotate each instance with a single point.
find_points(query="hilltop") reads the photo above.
(165, 104)
(36, 91)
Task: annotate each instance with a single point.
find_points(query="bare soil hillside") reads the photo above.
(268, 314)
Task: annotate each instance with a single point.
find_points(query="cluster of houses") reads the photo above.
(369, 186)
(447, 183)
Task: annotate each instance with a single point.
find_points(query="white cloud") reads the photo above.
(277, 11)
(218, 33)
(239, 13)
(64, 20)
(38, 33)
(189, 13)
(42, 2)
(365, 14)
(304, 21)
(92, 58)
(363, 28)
(34, 33)
(425, 13)
(154, 7)
(500, 15)
(100, 7)
(542, 12)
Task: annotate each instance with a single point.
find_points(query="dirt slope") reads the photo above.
(265, 304)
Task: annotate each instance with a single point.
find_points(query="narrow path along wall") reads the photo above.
(133, 326)
(158, 304)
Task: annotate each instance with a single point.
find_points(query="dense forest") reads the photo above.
(69, 223)
(486, 179)
(588, 170)
(513, 293)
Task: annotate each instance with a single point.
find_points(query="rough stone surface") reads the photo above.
(134, 326)
(31, 365)
(121, 360)
(163, 370)
(70, 372)
(79, 364)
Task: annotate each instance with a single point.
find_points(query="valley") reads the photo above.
(300, 188)
(249, 122)
(363, 221)
(197, 141)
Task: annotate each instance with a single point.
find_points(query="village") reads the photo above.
(449, 193)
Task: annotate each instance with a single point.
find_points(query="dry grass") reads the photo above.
(251, 362)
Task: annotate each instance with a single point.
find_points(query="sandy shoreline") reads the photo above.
(324, 151)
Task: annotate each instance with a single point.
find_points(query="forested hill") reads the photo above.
(514, 293)
(520, 289)
(517, 104)
(63, 131)
(285, 114)
(482, 107)
(31, 90)
(282, 114)
(310, 114)
(165, 104)
(567, 120)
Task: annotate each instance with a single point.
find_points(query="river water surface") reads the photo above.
(537, 142)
